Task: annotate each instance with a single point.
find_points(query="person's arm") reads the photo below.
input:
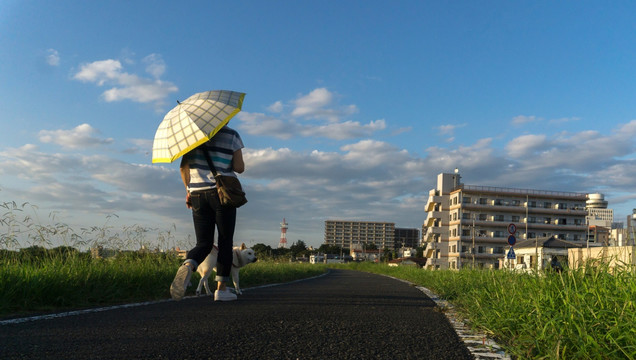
(185, 176)
(237, 162)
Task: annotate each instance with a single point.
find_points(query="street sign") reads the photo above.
(512, 240)
(512, 228)
(511, 254)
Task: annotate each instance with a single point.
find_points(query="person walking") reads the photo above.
(225, 152)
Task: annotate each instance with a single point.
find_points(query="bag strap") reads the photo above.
(210, 164)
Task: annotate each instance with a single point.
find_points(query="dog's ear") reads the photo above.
(243, 247)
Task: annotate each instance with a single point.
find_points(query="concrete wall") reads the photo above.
(613, 256)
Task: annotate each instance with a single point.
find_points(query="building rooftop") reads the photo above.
(494, 189)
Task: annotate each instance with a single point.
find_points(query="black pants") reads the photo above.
(207, 214)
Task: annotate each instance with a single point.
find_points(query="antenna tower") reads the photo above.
(283, 235)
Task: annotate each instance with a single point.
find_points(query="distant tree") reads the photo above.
(298, 248)
(330, 249)
(370, 246)
(33, 253)
(262, 250)
(419, 252)
(64, 251)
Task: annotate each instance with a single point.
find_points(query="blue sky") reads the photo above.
(352, 107)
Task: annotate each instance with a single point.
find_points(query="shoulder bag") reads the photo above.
(229, 187)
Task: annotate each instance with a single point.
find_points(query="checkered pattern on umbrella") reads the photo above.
(193, 122)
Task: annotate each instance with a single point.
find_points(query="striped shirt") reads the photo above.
(221, 149)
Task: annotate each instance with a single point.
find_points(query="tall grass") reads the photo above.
(582, 314)
(76, 280)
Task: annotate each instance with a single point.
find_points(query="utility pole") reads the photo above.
(473, 251)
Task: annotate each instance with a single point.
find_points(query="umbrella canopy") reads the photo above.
(193, 122)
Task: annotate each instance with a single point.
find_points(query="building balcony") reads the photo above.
(432, 217)
(432, 201)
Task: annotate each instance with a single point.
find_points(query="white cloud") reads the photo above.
(449, 130)
(261, 124)
(276, 107)
(99, 71)
(344, 130)
(128, 86)
(525, 145)
(155, 65)
(318, 105)
(81, 136)
(52, 57)
(523, 119)
(315, 105)
(94, 186)
(564, 120)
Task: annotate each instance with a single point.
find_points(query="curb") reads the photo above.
(478, 343)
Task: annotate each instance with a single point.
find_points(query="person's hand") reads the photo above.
(188, 201)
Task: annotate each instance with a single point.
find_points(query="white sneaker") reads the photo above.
(180, 282)
(225, 295)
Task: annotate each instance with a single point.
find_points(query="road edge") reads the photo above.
(478, 343)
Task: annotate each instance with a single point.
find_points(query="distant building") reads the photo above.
(406, 238)
(467, 225)
(346, 234)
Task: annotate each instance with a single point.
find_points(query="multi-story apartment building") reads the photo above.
(406, 238)
(348, 234)
(468, 225)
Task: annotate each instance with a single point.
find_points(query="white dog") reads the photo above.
(241, 256)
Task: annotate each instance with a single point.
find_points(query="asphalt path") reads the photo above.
(342, 315)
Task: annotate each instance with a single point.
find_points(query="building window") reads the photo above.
(483, 217)
(480, 249)
(516, 202)
(466, 200)
(498, 202)
(515, 218)
(483, 201)
(499, 234)
(547, 220)
(499, 218)
(547, 204)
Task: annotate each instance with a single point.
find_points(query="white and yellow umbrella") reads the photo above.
(193, 122)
